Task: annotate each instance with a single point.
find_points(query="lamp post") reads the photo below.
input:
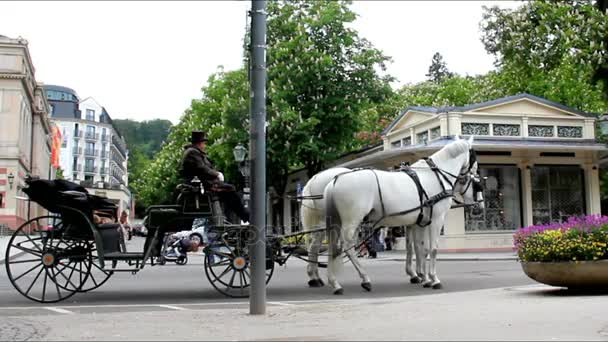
(604, 124)
(11, 180)
(240, 152)
(257, 143)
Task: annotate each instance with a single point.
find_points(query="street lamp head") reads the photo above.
(604, 124)
(239, 153)
(11, 179)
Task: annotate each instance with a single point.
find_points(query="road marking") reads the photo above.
(280, 303)
(172, 307)
(59, 310)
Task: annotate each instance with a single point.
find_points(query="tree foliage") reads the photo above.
(438, 70)
(322, 75)
(550, 49)
(324, 85)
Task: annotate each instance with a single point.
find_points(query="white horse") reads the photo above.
(390, 199)
(468, 192)
(312, 214)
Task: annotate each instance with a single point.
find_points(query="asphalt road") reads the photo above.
(173, 285)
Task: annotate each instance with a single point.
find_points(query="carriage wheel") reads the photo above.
(98, 276)
(53, 267)
(228, 269)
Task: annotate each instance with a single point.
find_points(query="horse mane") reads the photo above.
(456, 148)
(449, 151)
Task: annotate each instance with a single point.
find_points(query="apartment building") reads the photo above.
(93, 153)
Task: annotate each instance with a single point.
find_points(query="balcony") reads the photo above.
(77, 150)
(91, 153)
(91, 136)
(78, 134)
(105, 137)
(77, 167)
(90, 169)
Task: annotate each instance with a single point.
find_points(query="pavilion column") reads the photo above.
(526, 195)
(592, 189)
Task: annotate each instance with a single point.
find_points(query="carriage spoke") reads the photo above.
(54, 279)
(32, 241)
(74, 268)
(26, 272)
(68, 281)
(244, 278)
(23, 261)
(27, 250)
(226, 270)
(46, 273)
(221, 263)
(34, 282)
(92, 277)
(231, 281)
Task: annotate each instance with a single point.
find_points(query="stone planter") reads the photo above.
(570, 274)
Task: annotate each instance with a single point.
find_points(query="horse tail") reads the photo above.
(333, 227)
(308, 214)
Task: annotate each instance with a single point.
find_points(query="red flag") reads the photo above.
(56, 146)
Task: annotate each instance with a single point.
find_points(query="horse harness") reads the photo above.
(427, 203)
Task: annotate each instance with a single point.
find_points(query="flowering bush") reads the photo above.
(580, 238)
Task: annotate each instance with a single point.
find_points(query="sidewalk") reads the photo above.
(518, 313)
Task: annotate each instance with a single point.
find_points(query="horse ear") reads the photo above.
(471, 140)
(456, 138)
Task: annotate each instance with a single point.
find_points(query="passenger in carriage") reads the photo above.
(196, 163)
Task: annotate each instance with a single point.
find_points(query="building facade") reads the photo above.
(93, 153)
(25, 141)
(539, 158)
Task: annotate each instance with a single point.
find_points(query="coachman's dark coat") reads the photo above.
(196, 162)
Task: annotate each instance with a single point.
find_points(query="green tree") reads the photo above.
(323, 88)
(322, 76)
(59, 173)
(438, 70)
(550, 49)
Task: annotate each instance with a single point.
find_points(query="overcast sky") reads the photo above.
(145, 60)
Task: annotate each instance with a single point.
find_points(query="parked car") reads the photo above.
(138, 228)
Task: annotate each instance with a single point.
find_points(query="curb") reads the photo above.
(510, 258)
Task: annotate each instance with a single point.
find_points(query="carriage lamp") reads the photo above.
(604, 124)
(11, 180)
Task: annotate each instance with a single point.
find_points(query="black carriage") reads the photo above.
(65, 252)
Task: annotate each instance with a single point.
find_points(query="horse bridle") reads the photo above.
(466, 178)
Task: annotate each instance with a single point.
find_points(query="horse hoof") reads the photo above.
(415, 280)
(367, 286)
(437, 286)
(339, 292)
(315, 283)
(426, 285)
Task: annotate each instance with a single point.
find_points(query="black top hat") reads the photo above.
(198, 136)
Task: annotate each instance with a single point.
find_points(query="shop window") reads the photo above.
(501, 200)
(557, 193)
(422, 138)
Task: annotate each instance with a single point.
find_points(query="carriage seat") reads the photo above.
(110, 237)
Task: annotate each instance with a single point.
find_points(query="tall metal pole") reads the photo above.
(257, 150)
